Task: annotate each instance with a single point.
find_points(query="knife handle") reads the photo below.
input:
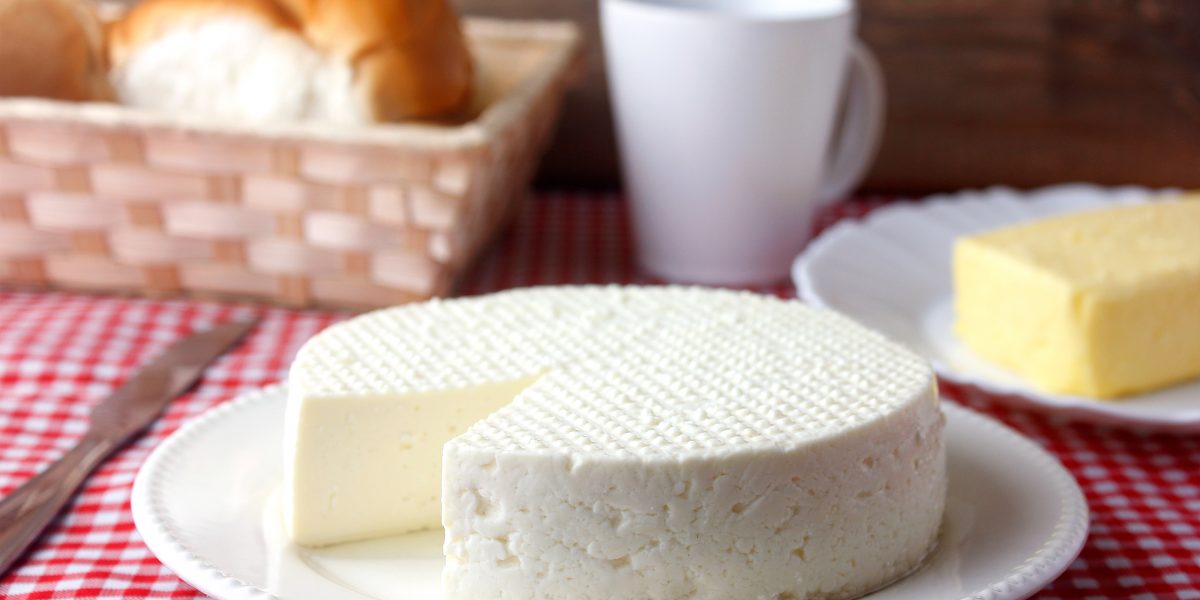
(29, 509)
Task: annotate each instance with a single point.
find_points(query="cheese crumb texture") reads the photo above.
(1102, 303)
(649, 443)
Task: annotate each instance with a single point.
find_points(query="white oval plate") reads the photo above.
(206, 504)
(891, 272)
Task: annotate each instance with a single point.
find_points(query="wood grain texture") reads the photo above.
(1021, 92)
(1029, 92)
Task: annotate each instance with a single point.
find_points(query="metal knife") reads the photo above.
(26, 512)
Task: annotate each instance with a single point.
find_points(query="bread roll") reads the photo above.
(410, 57)
(237, 59)
(150, 20)
(52, 49)
(346, 61)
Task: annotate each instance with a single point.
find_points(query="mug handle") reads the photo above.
(861, 126)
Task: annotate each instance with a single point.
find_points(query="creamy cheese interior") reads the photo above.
(370, 465)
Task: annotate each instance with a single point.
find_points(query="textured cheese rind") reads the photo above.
(664, 443)
(1099, 303)
(760, 449)
(824, 520)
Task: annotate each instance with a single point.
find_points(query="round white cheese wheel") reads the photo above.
(622, 442)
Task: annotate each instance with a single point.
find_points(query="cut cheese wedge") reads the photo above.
(617, 442)
(1101, 303)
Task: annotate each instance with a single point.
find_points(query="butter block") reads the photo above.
(1102, 303)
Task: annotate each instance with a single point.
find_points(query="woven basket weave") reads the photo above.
(107, 198)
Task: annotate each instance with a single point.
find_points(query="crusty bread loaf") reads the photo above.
(410, 56)
(236, 59)
(52, 49)
(349, 61)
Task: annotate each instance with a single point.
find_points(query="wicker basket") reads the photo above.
(107, 198)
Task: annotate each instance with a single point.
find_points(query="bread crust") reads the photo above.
(150, 19)
(410, 56)
(52, 49)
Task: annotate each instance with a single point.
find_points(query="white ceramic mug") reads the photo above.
(725, 111)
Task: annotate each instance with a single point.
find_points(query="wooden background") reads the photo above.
(1020, 92)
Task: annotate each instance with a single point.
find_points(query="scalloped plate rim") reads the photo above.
(156, 530)
(1120, 413)
(154, 523)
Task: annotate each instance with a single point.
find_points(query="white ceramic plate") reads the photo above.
(206, 503)
(891, 272)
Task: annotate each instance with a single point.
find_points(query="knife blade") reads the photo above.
(116, 420)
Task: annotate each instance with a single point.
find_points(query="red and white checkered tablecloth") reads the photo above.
(60, 353)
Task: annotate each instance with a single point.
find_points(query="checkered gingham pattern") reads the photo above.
(60, 353)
